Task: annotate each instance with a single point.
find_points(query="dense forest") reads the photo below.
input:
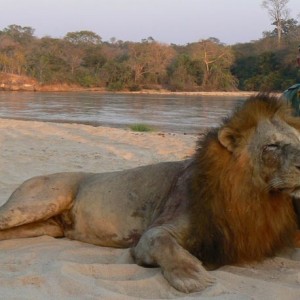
(82, 58)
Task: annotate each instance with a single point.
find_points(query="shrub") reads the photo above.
(134, 88)
(115, 86)
(141, 127)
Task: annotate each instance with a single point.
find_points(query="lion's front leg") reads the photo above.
(157, 247)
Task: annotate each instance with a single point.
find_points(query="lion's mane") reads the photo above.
(233, 219)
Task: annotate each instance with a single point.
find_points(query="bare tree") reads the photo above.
(279, 13)
(148, 57)
(217, 60)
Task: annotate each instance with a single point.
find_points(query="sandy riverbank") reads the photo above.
(47, 268)
(149, 92)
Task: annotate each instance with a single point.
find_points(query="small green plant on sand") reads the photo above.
(140, 127)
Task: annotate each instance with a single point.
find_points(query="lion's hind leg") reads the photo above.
(40, 198)
(49, 227)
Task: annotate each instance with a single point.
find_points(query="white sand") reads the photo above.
(48, 268)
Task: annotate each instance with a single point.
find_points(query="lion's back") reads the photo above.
(114, 209)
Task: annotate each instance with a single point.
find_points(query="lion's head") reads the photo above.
(245, 174)
(264, 133)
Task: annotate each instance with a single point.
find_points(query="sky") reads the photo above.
(167, 21)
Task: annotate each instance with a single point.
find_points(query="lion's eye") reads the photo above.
(271, 154)
(271, 147)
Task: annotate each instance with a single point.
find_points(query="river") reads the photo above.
(172, 113)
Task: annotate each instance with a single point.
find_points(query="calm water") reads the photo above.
(164, 112)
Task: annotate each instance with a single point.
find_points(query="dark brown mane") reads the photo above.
(233, 220)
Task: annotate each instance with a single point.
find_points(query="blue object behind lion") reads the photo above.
(292, 95)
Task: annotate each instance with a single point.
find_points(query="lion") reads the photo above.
(231, 203)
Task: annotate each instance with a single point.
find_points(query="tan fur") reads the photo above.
(230, 204)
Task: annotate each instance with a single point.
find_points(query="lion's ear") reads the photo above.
(228, 138)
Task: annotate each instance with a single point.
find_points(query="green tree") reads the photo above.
(22, 35)
(45, 62)
(185, 74)
(264, 72)
(91, 66)
(115, 75)
(83, 37)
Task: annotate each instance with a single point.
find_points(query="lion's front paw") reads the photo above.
(189, 278)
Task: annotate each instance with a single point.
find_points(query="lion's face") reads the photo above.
(273, 150)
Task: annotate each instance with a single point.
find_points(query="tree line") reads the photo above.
(83, 59)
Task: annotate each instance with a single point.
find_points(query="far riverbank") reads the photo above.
(16, 83)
